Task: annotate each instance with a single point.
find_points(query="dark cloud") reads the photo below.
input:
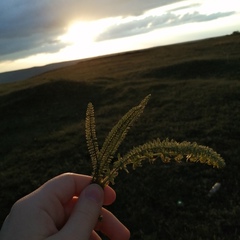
(22, 47)
(25, 31)
(151, 23)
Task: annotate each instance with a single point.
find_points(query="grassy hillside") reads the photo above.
(195, 91)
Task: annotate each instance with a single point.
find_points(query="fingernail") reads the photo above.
(94, 193)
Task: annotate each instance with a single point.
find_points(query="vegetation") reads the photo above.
(106, 168)
(195, 91)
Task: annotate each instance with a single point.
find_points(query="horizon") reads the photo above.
(90, 30)
(114, 53)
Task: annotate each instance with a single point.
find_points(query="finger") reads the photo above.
(59, 193)
(56, 196)
(112, 227)
(84, 216)
(67, 185)
(109, 196)
(94, 236)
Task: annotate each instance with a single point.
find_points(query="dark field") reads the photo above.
(195, 91)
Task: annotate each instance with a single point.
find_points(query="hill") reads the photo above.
(23, 74)
(195, 91)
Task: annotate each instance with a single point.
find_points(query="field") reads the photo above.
(195, 91)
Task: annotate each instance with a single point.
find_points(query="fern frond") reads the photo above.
(165, 150)
(118, 133)
(91, 137)
(104, 171)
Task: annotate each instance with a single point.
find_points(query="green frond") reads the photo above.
(104, 171)
(166, 150)
(91, 137)
(118, 133)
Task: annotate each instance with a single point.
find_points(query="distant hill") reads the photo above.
(18, 75)
(195, 58)
(114, 62)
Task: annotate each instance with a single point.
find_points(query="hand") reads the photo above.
(65, 208)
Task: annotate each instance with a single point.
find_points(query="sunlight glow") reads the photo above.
(81, 36)
(81, 32)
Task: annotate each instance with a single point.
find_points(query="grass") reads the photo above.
(195, 91)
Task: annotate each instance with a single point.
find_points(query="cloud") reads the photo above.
(29, 26)
(150, 23)
(96, 9)
(26, 46)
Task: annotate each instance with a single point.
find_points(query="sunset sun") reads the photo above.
(80, 32)
(81, 37)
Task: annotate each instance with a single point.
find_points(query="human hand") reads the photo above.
(66, 207)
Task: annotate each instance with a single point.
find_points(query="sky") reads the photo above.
(36, 33)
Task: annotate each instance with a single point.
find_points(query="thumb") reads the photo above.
(85, 214)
